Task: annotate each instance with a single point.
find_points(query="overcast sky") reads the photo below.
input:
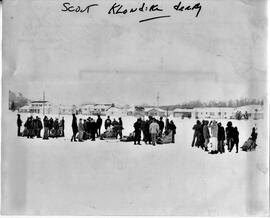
(96, 57)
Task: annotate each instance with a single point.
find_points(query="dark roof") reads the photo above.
(39, 101)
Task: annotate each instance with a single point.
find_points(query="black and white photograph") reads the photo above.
(135, 107)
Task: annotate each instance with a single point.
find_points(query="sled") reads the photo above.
(165, 138)
(129, 138)
(108, 134)
(249, 145)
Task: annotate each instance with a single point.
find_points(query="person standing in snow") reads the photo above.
(198, 135)
(62, 127)
(235, 139)
(229, 135)
(214, 140)
(46, 128)
(74, 128)
(99, 124)
(221, 138)
(154, 130)
(206, 134)
(81, 130)
(108, 122)
(137, 128)
(161, 125)
(173, 129)
(93, 129)
(40, 127)
(19, 124)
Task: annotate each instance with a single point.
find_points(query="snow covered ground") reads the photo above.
(57, 176)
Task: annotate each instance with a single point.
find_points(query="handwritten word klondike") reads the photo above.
(120, 9)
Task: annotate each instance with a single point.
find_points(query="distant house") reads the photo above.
(253, 111)
(67, 109)
(40, 107)
(183, 113)
(214, 113)
(87, 109)
(100, 109)
(115, 111)
(154, 112)
(95, 109)
(24, 109)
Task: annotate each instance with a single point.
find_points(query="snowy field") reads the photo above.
(59, 177)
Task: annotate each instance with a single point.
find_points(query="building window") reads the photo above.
(212, 113)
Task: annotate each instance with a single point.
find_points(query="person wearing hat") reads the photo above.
(74, 128)
(154, 130)
(19, 124)
(137, 128)
(99, 124)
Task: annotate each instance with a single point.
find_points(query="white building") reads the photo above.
(67, 109)
(40, 107)
(253, 111)
(154, 112)
(178, 112)
(116, 112)
(24, 109)
(214, 113)
(87, 109)
(95, 109)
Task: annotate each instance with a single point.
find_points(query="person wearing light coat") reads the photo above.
(154, 130)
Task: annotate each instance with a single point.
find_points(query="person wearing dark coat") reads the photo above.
(172, 127)
(137, 128)
(108, 122)
(147, 135)
(74, 126)
(27, 126)
(161, 125)
(46, 128)
(120, 128)
(30, 127)
(19, 124)
(229, 135)
(56, 128)
(114, 122)
(221, 138)
(99, 124)
(93, 129)
(40, 127)
(62, 127)
(167, 124)
(35, 126)
(254, 135)
(50, 126)
(235, 139)
(198, 135)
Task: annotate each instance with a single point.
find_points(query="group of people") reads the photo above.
(212, 136)
(33, 126)
(90, 128)
(152, 129)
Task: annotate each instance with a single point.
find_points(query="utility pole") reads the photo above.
(158, 99)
